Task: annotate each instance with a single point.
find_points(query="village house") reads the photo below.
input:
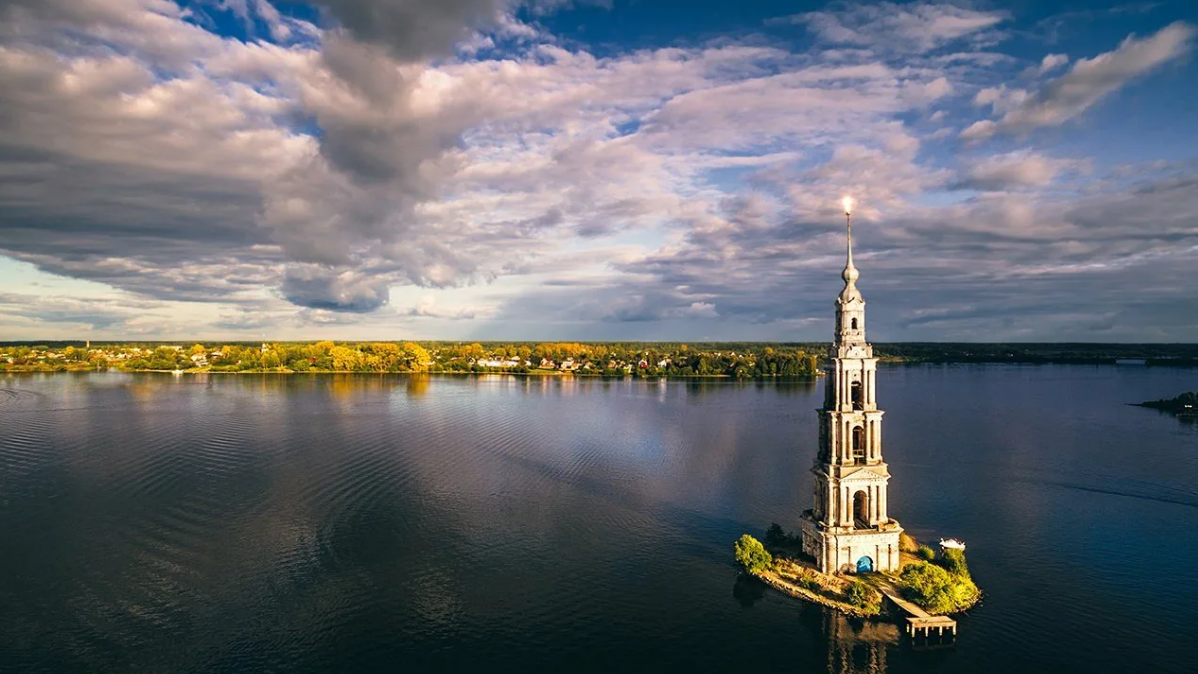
(496, 362)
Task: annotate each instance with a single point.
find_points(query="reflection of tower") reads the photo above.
(849, 528)
(857, 650)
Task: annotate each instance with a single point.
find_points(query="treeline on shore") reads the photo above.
(1033, 353)
(598, 359)
(730, 359)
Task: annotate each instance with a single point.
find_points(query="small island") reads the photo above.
(938, 583)
(1185, 404)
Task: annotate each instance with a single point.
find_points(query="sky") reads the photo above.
(597, 169)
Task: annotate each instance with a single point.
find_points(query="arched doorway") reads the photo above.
(855, 395)
(861, 510)
(858, 445)
(865, 564)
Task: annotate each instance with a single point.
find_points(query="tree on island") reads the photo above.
(953, 561)
(937, 588)
(752, 555)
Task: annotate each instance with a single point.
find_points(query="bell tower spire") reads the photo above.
(850, 273)
(850, 305)
(849, 529)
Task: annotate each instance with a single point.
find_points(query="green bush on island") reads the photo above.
(810, 584)
(937, 590)
(863, 596)
(925, 553)
(953, 561)
(752, 555)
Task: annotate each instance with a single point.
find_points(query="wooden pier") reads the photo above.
(920, 624)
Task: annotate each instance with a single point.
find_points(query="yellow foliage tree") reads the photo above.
(345, 358)
(416, 357)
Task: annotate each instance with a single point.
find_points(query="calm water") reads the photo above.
(345, 523)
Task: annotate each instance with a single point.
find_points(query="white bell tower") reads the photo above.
(849, 529)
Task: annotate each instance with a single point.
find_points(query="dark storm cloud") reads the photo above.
(180, 186)
(321, 288)
(399, 147)
(412, 29)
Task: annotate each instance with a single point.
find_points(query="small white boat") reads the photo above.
(176, 372)
(951, 544)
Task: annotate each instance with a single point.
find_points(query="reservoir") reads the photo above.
(273, 523)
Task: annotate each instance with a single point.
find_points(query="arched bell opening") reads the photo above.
(861, 510)
(859, 445)
(855, 395)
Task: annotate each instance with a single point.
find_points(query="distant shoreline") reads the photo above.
(1027, 360)
(454, 373)
(891, 362)
(758, 361)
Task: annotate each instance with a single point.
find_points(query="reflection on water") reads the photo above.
(854, 645)
(355, 522)
(748, 590)
(418, 385)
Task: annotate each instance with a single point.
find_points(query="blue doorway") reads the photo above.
(865, 565)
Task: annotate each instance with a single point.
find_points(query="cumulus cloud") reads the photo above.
(427, 307)
(81, 314)
(1015, 170)
(999, 98)
(918, 27)
(1088, 81)
(1052, 62)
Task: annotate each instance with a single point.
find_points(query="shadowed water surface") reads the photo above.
(376, 523)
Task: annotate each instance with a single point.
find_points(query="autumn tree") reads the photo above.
(416, 357)
(752, 555)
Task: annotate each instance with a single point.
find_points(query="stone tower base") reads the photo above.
(839, 549)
